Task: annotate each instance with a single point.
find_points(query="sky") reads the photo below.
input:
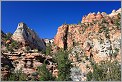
(45, 17)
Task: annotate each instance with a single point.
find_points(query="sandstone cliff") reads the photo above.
(97, 34)
(28, 37)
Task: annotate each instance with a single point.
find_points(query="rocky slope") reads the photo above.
(27, 62)
(28, 37)
(97, 34)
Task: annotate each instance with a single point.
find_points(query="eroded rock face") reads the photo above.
(98, 35)
(92, 17)
(27, 62)
(28, 37)
(60, 38)
(6, 66)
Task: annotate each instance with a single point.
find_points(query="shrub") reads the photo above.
(14, 44)
(17, 76)
(8, 36)
(45, 75)
(9, 48)
(117, 23)
(85, 27)
(105, 71)
(48, 49)
(27, 48)
(116, 52)
(89, 76)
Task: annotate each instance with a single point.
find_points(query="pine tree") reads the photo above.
(45, 75)
(64, 66)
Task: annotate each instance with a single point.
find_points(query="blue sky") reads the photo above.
(46, 17)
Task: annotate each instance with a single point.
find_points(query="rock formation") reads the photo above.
(47, 41)
(28, 37)
(115, 12)
(27, 62)
(98, 35)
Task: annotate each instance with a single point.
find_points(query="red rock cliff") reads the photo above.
(97, 34)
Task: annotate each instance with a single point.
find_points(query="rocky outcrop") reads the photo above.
(61, 37)
(114, 12)
(92, 17)
(28, 37)
(47, 41)
(27, 62)
(97, 35)
(6, 61)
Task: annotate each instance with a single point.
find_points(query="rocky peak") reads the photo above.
(22, 25)
(49, 41)
(28, 37)
(115, 12)
(92, 17)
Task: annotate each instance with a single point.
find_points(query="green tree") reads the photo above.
(64, 65)
(45, 75)
(89, 76)
(48, 49)
(8, 36)
(9, 48)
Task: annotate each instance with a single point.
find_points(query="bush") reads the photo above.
(118, 24)
(9, 48)
(17, 76)
(48, 49)
(89, 76)
(85, 27)
(14, 44)
(27, 48)
(116, 52)
(45, 75)
(104, 20)
(8, 36)
(105, 71)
